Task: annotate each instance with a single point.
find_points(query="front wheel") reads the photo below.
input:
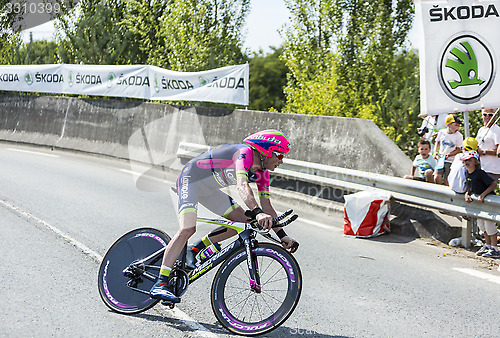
(129, 293)
(242, 310)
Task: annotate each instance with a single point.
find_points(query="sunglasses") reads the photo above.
(280, 156)
(488, 114)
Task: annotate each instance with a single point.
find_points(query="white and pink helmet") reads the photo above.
(267, 141)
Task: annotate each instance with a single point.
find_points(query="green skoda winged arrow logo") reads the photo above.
(111, 79)
(466, 66)
(466, 70)
(28, 78)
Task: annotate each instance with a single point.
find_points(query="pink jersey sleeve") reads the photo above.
(243, 163)
(244, 160)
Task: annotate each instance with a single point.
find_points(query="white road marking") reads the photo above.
(199, 329)
(480, 274)
(148, 176)
(86, 250)
(33, 152)
(319, 225)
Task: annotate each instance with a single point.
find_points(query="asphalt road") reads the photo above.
(59, 212)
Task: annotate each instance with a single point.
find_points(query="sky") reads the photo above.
(266, 17)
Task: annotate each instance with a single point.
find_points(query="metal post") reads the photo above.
(466, 232)
(466, 124)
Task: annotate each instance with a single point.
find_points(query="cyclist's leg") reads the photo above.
(187, 227)
(188, 197)
(221, 204)
(221, 233)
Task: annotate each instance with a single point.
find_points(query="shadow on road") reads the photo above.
(216, 328)
(389, 238)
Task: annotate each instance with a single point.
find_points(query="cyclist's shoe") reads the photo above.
(161, 291)
(190, 258)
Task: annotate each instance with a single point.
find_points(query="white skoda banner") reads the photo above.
(224, 85)
(459, 54)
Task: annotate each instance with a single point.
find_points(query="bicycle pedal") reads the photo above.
(169, 304)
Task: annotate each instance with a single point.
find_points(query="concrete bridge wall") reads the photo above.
(151, 132)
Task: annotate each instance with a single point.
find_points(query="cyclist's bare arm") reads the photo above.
(265, 220)
(267, 207)
(286, 241)
(246, 193)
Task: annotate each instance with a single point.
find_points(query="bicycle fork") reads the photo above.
(253, 267)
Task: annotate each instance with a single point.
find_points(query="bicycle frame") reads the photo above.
(246, 237)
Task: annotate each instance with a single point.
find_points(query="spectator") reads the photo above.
(430, 127)
(480, 183)
(423, 164)
(456, 177)
(469, 144)
(448, 143)
(489, 145)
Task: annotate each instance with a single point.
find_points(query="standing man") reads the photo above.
(488, 138)
(489, 145)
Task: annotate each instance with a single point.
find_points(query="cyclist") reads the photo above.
(200, 181)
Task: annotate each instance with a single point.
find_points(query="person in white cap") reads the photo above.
(488, 137)
(480, 183)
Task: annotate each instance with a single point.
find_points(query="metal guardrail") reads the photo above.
(413, 192)
(419, 193)
(188, 150)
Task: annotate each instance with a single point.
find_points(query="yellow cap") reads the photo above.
(469, 144)
(452, 118)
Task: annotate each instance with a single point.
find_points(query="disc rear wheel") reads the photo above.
(129, 293)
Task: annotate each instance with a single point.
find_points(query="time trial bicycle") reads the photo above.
(255, 290)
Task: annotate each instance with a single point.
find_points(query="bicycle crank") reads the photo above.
(179, 282)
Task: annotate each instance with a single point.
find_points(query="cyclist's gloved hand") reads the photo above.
(289, 243)
(265, 221)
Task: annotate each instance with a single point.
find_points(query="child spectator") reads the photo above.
(449, 143)
(423, 164)
(456, 178)
(480, 183)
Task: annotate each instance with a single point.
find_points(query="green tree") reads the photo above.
(10, 41)
(39, 52)
(183, 35)
(308, 40)
(370, 36)
(315, 96)
(142, 19)
(397, 110)
(202, 34)
(355, 63)
(267, 80)
(9, 16)
(96, 35)
(10, 45)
